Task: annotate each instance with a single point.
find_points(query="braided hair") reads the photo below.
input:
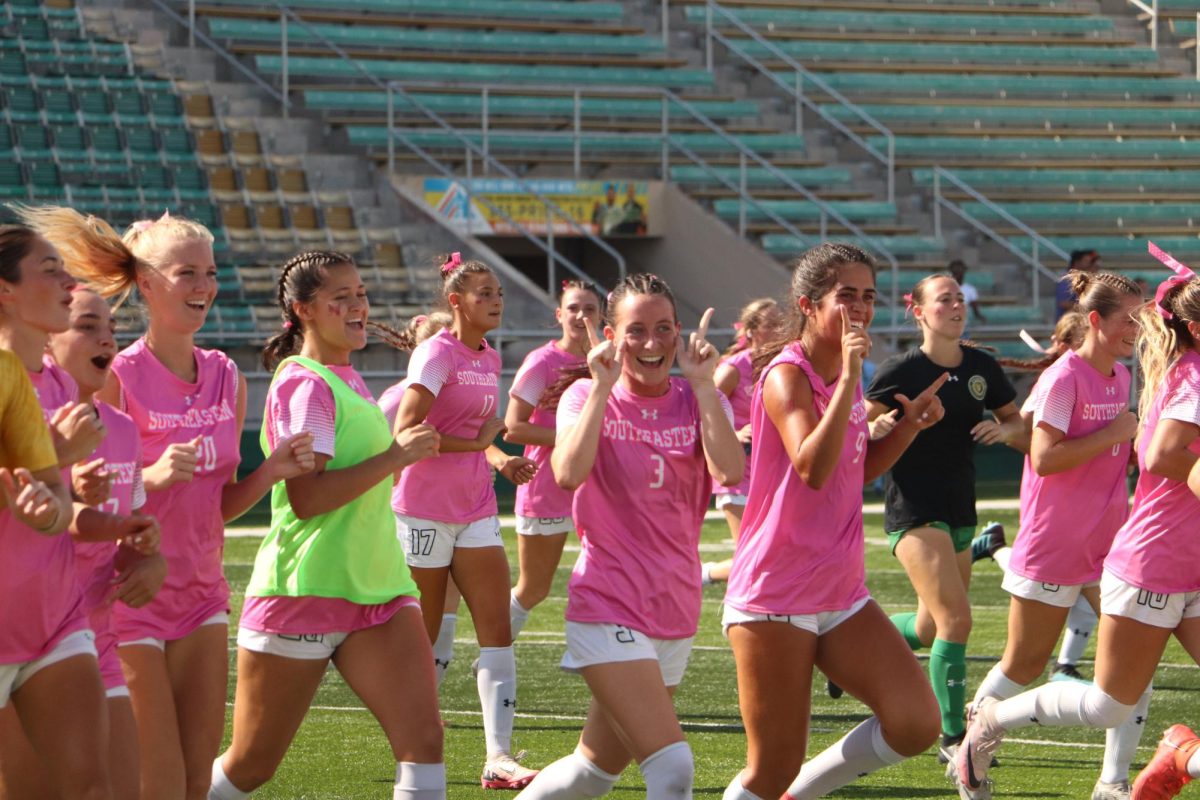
(299, 279)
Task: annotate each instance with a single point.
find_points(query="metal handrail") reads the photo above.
(1037, 240)
(802, 74)
(1152, 10)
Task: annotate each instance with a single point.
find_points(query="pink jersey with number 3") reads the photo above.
(801, 549)
(1157, 548)
(1069, 518)
(40, 599)
(542, 497)
(168, 410)
(639, 512)
(465, 383)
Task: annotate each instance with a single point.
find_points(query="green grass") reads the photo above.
(340, 751)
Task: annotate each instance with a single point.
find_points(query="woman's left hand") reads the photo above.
(697, 357)
(519, 470)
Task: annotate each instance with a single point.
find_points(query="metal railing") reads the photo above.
(1038, 243)
(1150, 8)
(795, 89)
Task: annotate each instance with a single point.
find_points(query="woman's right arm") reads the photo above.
(575, 447)
(813, 443)
(520, 429)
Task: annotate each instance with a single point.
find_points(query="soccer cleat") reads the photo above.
(988, 542)
(833, 689)
(974, 755)
(1067, 672)
(1167, 774)
(503, 772)
(1111, 791)
(947, 749)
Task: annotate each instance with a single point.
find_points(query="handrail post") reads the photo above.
(467, 190)
(191, 24)
(283, 51)
(742, 194)
(799, 104)
(391, 128)
(937, 202)
(1196, 50)
(577, 123)
(666, 23)
(708, 36)
(666, 132)
(823, 231)
(550, 253)
(1154, 25)
(891, 167)
(483, 96)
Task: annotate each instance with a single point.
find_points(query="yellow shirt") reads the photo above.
(24, 438)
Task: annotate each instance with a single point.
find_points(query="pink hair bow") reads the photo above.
(142, 225)
(420, 319)
(908, 303)
(1182, 275)
(452, 263)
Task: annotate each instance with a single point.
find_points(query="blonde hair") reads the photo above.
(754, 315)
(96, 254)
(1164, 340)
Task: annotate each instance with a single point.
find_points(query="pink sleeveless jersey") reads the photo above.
(639, 512)
(542, 497)
(801, 549)
(1157, 548)
(743, 393)
(168, 410)
(453, 487)
(1068, 519)
(40, 598)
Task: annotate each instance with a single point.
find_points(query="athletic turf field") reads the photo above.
(340, 751)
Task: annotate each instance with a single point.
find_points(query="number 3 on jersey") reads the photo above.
(660, 471)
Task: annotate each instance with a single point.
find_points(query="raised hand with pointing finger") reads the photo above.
(604, 359)
(926, 409)
(856, 346)
(697, 357)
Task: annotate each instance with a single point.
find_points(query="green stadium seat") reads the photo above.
(885, 84)
(21, 105)
(786, 245)
(189, 178)
(376, 136)
(910, 22)
(1142, 180)
(1025, 147)
(69, 143)
(12, 180)
(1093, 213)
(128, 102)
(758, 177)
(1011, 114)
(509, 9)
(804, 211)
(33, 140)
(58, 105)
(106, 143)
(176, 140)
(932, 53)
(153, 176)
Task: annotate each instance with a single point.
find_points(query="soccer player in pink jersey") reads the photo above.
(797, 597)
(543, 508)
(757, 325)
(1150, 587)
(329, 582)
(1073, 500)
(446, 506)
(189, 405)
(637, 447)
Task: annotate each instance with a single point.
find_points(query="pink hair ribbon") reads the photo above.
(420, 319)
(452, 263)
(1182, 275)
(143, 225)
(908, 303)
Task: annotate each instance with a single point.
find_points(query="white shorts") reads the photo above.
(428, 543)
(591, 643)
(117, 691)
(306, 646)
(219, 618)
(730, 500)
(14, 676)
(544, 526)
(819, 624)
(1052, 594)
(1121, 599)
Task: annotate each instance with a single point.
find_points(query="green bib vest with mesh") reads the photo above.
(351, 552)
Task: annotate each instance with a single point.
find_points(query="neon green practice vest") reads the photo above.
(351, 552)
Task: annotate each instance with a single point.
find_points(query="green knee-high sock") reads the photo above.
(907, 625)
(948, 674)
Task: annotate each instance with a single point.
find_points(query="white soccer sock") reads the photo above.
(998, 685)
(1002, 557)
(1081, 621)
(668, 773)
(858, 753)
(221, 788)
(1121, 742)
(419, 781)
(735, 790)
(571, 778)
(1061, 703)
(1193, 765)
(518, 615)
(443, 648)
(497, 681)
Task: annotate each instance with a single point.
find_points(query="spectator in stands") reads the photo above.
(1083, 260)
(608, 215)
(958, 270)
(633, 220)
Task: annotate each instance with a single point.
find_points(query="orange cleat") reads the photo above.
(1166, 774)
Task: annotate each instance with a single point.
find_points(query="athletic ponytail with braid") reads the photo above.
(299, 280)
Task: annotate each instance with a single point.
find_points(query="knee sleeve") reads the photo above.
(668, 773)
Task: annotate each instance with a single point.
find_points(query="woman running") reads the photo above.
(757, 325)
(1073, 500)
(640, 449)
(329, 581)
(797, 597)
(1150, 585)
(929, 503)
(189, 405)
(543, 509)
(446, 506)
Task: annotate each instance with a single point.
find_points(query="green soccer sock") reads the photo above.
(907, 625)
(948, 674)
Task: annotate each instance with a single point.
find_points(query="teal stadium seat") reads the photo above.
(910, 22)
(505, 9)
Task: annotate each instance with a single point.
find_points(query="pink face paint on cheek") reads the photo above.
(335, 309)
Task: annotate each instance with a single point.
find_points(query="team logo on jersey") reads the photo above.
(1110, 390)
(977, 386)
(649, 413)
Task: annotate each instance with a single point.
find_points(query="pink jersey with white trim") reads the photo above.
(1068, 519)
(300, 400)
(639, 512)
(1157, 548)
(168, 410)
(740, 400)
(453, 487)
(542, 497)
(801, 549)
(40, 598)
